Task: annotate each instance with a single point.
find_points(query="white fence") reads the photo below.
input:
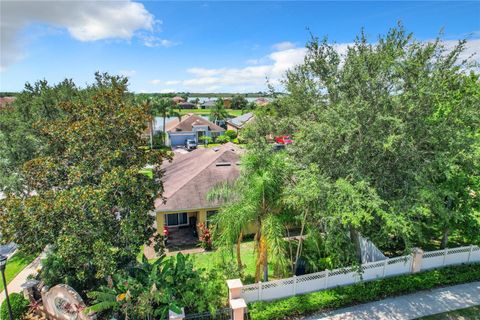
(370, 271)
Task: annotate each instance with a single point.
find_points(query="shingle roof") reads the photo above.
(186, 122)
(240, 121)
(189, 177)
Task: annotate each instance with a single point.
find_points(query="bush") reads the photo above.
(19, 306)
(232, 134)
(223, 139)
(362, 292)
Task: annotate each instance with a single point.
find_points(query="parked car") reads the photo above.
(190, 144)
(283, 140)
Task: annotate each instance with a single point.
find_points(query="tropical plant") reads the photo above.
(239, 102)
(218, 112)
(254, 200)
(206, 139)
(149, 290)
(204, 236)
(164, 107)
(223, 139)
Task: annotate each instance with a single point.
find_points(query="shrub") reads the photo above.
(232, 134)
(205, 236)
(362, 292)
(19, 306)
(223, 139)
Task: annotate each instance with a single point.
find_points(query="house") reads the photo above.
(178, 99)
(239, 122)
(261, 102)
(186, 105)
(6, 101)
(227, 103)
(207, 104)
(187, 181)
(190, 127)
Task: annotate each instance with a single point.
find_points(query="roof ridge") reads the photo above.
(187, 116)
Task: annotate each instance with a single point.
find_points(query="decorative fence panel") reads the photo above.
(369, 271)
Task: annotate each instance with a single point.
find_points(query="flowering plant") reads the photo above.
(204, 236)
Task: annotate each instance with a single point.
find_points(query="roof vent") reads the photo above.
(223, 164)
(216, 149)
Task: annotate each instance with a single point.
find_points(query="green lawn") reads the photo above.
(208, 260)
(472, 313)
(206, 112)
(16, 264)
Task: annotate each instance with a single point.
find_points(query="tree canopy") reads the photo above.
(84, 193)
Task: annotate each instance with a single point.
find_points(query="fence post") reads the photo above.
(294, 284)
(172, 315)
(235, 287)
(417, 256)
(238, 308)
(260, 290)
(470, 253)
(385, 263)
(445, 252)
(326, 278)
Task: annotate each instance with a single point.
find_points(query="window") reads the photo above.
(210, 215)
(177, 219)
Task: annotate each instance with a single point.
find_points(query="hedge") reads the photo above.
(362, 292)
(19, 306)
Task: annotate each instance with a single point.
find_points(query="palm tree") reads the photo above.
(164, 107)
(218, 112)
(254, 199)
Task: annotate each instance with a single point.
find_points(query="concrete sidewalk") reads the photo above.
(410, 306)
(21, 278)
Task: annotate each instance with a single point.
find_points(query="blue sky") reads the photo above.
(200, 46)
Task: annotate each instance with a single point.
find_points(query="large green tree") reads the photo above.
(399, 117)
(86, 197)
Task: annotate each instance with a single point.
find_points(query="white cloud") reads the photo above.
(271, 67)
(155, 81)
(154, 41)
(285, 45)
(84, 20)
(127, 73)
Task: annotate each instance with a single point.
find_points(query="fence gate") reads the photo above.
(220, 314)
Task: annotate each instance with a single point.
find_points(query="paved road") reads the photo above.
(411, 306)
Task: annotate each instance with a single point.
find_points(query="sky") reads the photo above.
(200, 46)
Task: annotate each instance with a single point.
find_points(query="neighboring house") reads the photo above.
(6, 101)
(262, 102)
(187, 181)
(178, 99)
(186, 105)
(207, 104)
(239, 122)
(227, 103)
(191, 127)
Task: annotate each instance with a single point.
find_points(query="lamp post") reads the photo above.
(3, 264)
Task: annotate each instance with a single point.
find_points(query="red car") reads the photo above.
(283, 140)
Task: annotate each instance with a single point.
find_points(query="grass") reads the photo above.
(208, 260)
(15, 264)
(472, 313)
(206, 112)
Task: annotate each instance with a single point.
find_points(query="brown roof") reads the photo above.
(186, 123)
(189, 177)
(5, 101)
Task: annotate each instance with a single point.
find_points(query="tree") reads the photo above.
(20, 139)
(87, 198)
(254, 200)
(396, 120)
(239, 102)
(218, 112)
(165, 107)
